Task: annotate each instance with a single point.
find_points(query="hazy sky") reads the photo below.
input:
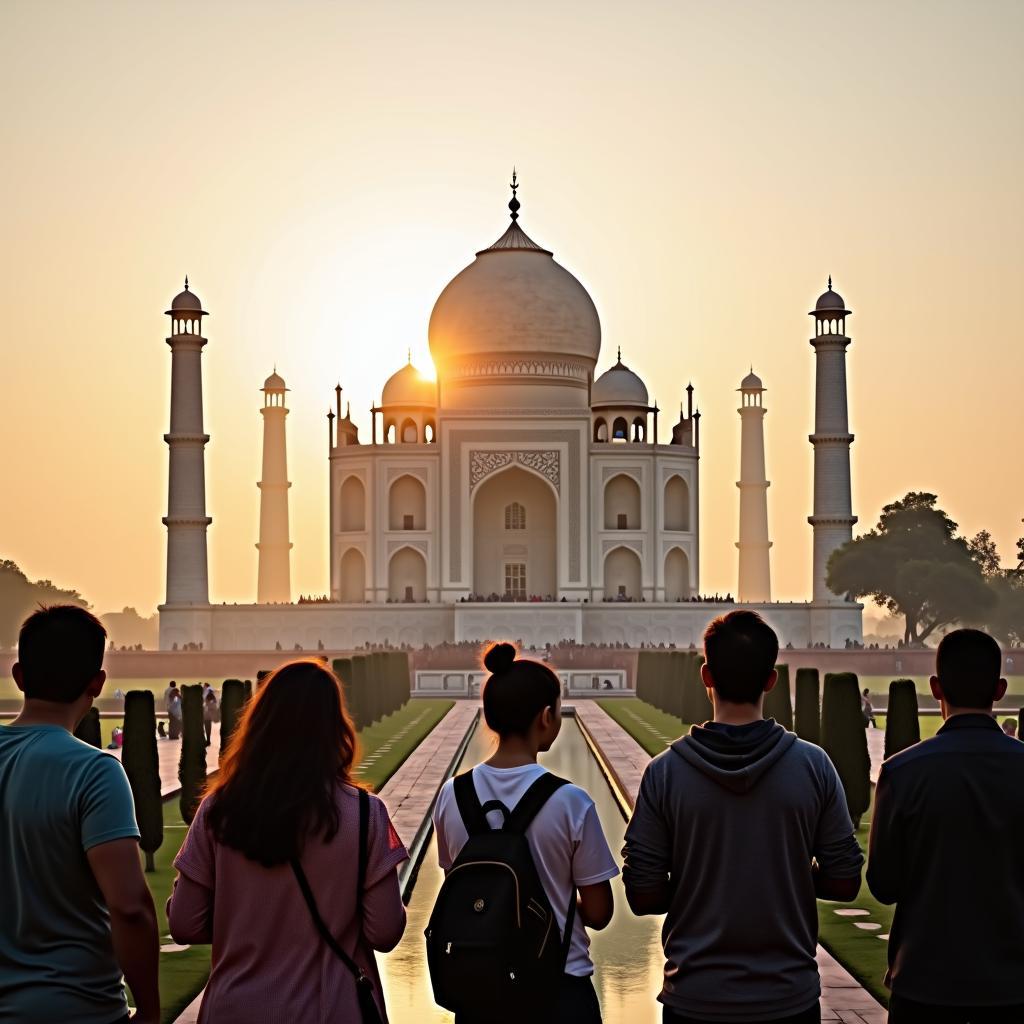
(321, 170)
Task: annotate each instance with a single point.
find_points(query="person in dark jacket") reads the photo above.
(738, 826)
(947, 847)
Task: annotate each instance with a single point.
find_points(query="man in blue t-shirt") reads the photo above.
(76, 911)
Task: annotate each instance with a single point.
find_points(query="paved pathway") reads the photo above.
(842, 996)
(409, 794)
(170, 753)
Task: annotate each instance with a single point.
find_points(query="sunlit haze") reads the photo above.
(321, 170)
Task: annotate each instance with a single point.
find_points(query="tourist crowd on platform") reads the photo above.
(292, 873)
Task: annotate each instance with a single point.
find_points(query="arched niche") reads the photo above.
(353, 577)
(521, 561)
(409, 434)
(677, 504)
(622, 503)
(407, 576)
(623, 577)
(352, 505)
(620, 429)
(600, 429)
(407, 504)
(677, 576)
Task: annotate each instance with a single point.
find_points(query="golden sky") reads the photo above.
(321, 170)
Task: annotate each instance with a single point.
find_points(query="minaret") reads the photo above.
(186, 519)
(274, 582)
(755, 581)
(833, 517)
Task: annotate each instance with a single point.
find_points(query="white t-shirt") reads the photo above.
(566, 840)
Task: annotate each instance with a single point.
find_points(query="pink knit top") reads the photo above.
(268, 963)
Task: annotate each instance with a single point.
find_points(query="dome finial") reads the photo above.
(513, 204)
(830, 282)
(408, 353)
(186, 282)
(620, 356)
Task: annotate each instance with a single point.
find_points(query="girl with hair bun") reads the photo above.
(522, 706)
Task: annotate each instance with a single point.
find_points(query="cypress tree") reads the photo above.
(696, 703)
(807, 716)
(902, 728)
(142, 766)
(343, 670)
(232, 700)
(778, 701)
(677, 660)
(845, 741)
(360, 708)
(1020, 723)
(644, 666)
(248, 690)
(88, 729)
(192, 765)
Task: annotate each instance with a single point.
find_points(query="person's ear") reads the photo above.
(936, 688)
(96, 684)
(1000, 690)
(772, 680)
(706, 678)
(19, 676)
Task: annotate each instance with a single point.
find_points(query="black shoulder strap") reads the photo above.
(314, 911)
(532, 801)
(473, 816)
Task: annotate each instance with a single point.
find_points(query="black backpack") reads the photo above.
(493, 946)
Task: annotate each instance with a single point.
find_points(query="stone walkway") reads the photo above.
(409, 794)
(843, 998)
(170, 753)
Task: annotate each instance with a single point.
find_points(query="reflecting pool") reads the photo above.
(627, 954)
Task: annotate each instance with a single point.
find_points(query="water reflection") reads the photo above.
(627, 955)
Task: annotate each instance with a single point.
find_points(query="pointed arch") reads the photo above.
(407, 504)
(352, 577)
(676, 509)
(407, 576)
(623, 575)
(622, 503)
(677, 575)
(352, 505)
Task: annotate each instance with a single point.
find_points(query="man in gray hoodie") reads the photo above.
(738, 826)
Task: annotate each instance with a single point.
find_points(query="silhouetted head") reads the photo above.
(277, 784)
(60, 654)
(740, 649)
(967, 667)
(520, 695)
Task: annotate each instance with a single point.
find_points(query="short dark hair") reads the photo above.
(740, 649)
(60, 651)
(968, 664)
(517, 690)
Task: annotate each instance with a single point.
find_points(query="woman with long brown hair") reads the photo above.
(269, 872)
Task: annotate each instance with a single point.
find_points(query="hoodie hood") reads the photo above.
(736, 757)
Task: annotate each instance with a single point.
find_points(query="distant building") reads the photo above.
(515, 496)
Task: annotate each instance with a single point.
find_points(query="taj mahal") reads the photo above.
(517, 495)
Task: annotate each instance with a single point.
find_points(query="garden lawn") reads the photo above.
(929, 724)
(654, 730)
(385, 746)
(861, 951)
(387, 743)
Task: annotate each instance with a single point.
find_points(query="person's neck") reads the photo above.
(728, 713)
(951, 711)
(50, 712)
(513, 752)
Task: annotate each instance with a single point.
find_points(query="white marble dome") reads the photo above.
(513, 300)
(619, 386)
(409, 387)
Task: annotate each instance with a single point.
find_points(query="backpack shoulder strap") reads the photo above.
(532, 801)
(473, 816)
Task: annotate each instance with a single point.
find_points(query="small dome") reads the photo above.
(409, 387)
(186, 301)
(619, 386)
(830, 301)
(275, 382)
(751, 382)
